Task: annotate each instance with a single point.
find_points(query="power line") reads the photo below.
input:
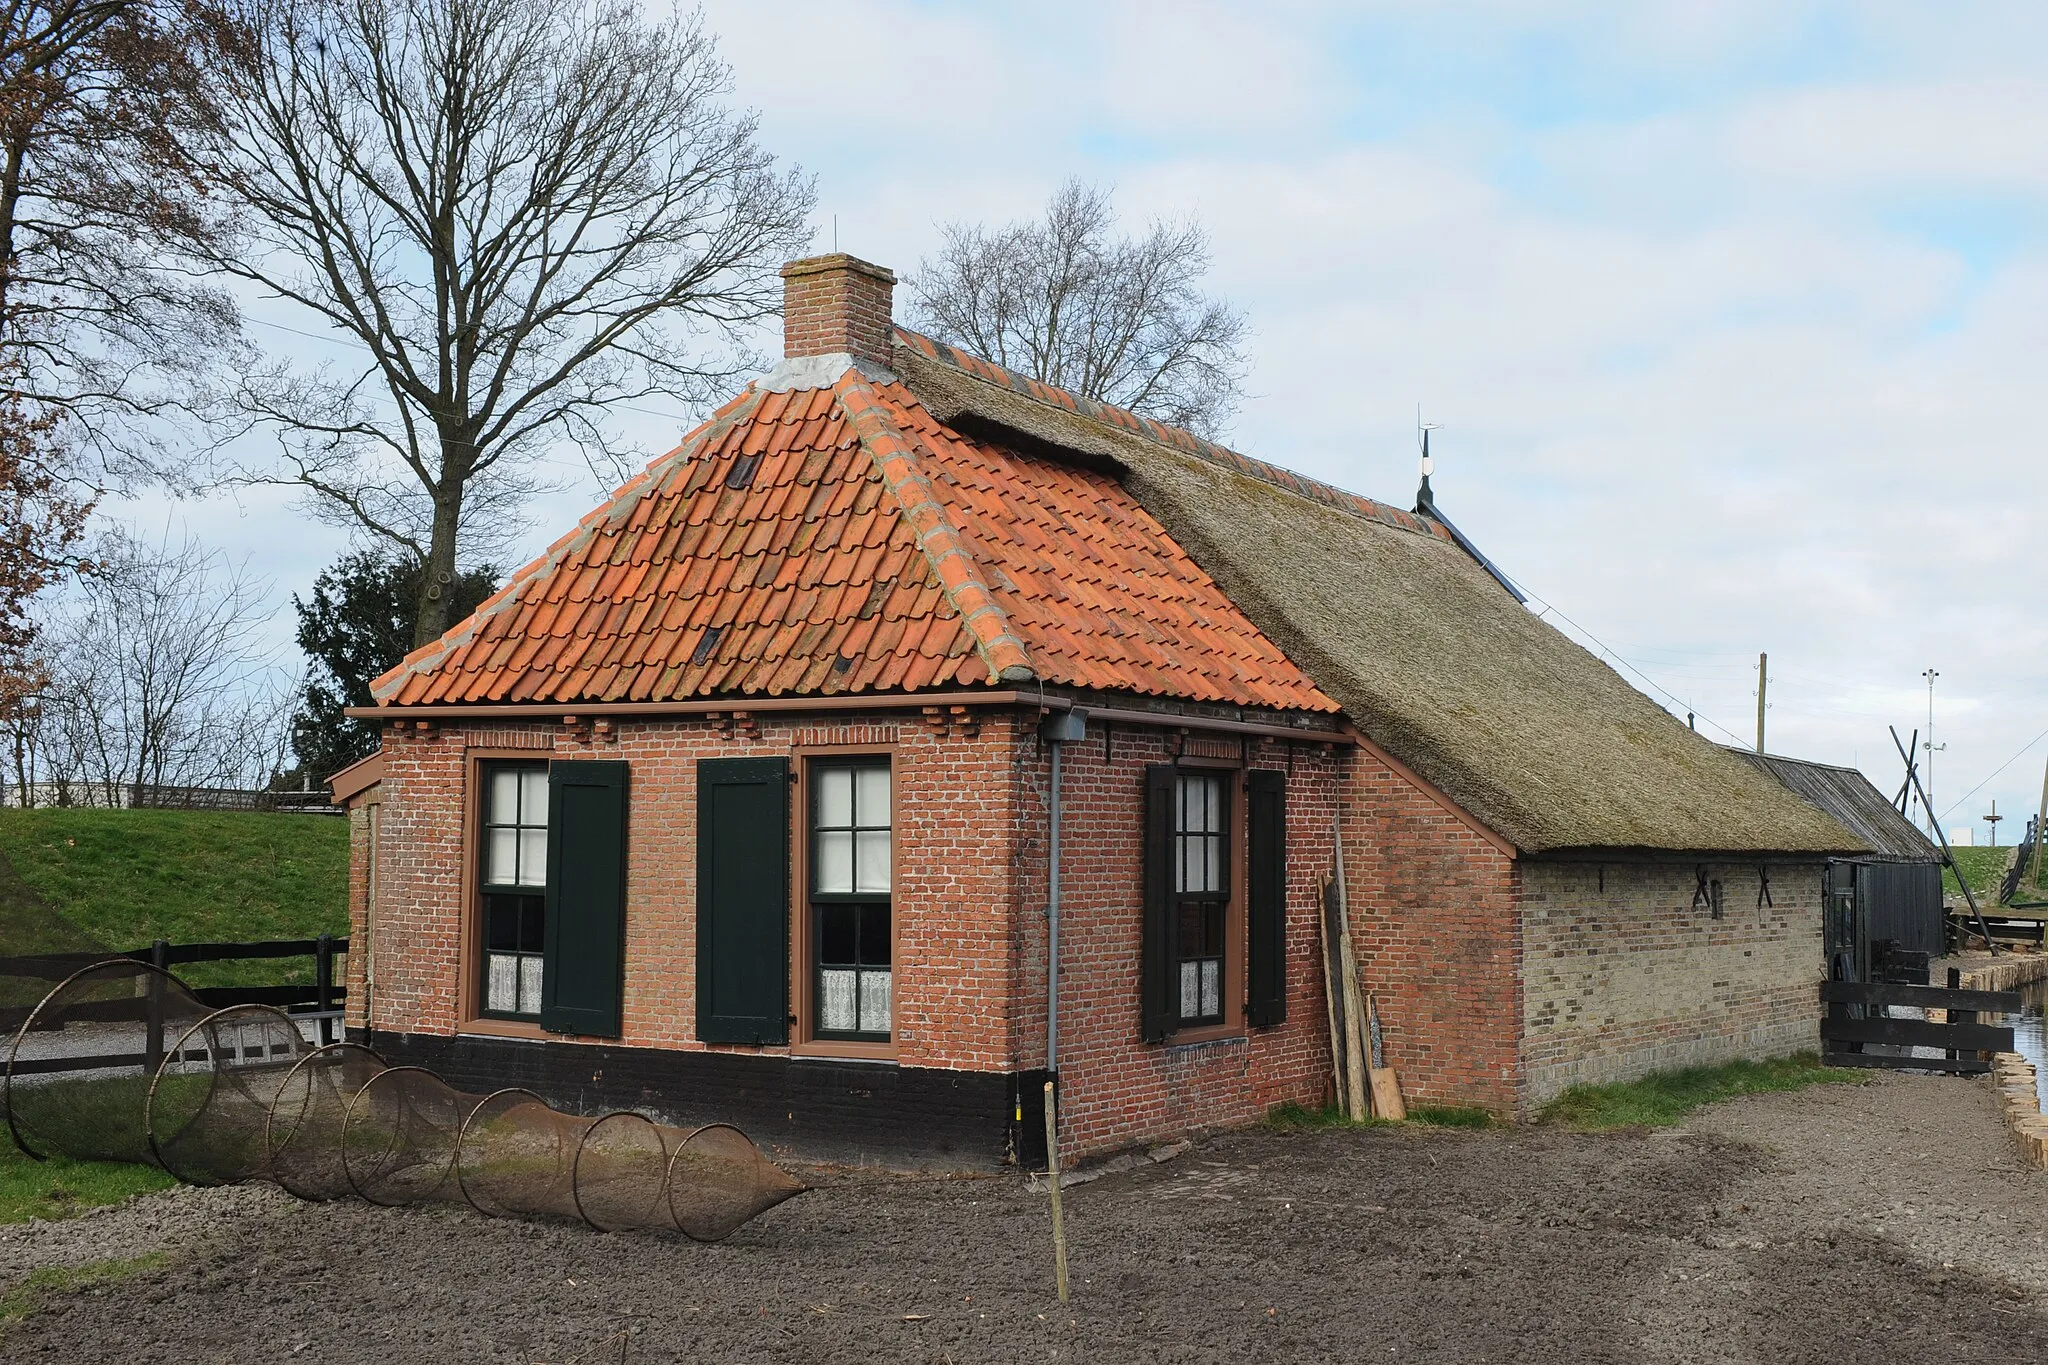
(1551, 610)
(1993, 773)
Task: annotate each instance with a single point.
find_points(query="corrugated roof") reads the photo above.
(1848, 796)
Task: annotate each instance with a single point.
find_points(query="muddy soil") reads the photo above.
(1843, 1223)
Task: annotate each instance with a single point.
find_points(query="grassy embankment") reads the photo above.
(1983, 866)
(82, 880)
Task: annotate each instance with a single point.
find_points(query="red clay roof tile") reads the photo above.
(849, 542)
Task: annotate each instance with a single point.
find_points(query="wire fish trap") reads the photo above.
(122, 1062)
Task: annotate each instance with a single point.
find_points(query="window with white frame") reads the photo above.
(513, 879)
(851, 936)
(1201, 889)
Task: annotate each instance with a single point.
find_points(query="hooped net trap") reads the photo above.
(121, 1062)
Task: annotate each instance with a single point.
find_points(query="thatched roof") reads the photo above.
(1427, 654)
(1847, 796)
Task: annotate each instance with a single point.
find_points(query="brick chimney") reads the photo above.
(837, 305)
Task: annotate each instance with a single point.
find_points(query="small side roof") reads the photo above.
(357, 778)
(1848, 797)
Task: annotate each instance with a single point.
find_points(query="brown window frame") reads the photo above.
(469, 952)
(525, 891)
(804, 1034)
(1235, 943)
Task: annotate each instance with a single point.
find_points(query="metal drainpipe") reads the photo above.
(1052, 928)
(1058, 730)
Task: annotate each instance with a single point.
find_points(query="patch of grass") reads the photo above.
(100, 1118)
(60, 1187)
(20, 1301)
(1299, 1118)
(118, 879)
(1296, 1118)
(1664, 1098)
(1450, 1116)
(1983, 866)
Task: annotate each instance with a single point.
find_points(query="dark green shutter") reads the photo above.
(743, 900)
(586, 918)
(1265, 880)
(1155, 975)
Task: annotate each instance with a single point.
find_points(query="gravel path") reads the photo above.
(1842, 1223)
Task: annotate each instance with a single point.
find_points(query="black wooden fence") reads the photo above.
(1859, 1016)
(318, 1003)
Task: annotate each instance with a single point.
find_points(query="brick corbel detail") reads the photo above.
(959, 720)
(735, 724)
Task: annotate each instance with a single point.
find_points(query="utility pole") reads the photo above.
(1763, 678)
(1992, 820)
(1927, 793)
(2041, 825)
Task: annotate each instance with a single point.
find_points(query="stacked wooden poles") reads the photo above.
(1363, 1084)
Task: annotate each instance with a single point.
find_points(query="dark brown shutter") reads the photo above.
(585, 940)
(743, 900)
(1155, 1010)
(1265, 879)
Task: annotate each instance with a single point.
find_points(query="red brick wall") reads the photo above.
(970, 897)
(1437, 915)
(1116, 1089)
(955, 906)
(1434, 915)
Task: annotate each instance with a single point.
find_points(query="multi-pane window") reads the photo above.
(514, 882)
(850, 883)
(1201, 892)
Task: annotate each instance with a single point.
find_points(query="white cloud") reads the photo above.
(1727, 356)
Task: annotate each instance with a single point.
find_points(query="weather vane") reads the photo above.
(1425, 501)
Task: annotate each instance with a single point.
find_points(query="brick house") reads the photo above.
(739, 802)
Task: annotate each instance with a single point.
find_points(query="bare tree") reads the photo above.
(159, 675)
(518, 212)
(1070, 303)
(101, 318)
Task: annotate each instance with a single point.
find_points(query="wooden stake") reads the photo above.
(1333, 985)
(1354, 1039)
(1052, 1179)
(1386, 1085)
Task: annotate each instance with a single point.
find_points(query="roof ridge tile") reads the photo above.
(894, 452)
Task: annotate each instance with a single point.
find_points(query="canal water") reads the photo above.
(2030, 1033)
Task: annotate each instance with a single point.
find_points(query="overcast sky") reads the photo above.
(1732, 313)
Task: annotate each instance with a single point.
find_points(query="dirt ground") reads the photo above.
(1889, 1221)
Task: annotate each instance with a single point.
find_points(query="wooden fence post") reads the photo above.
(1052, 1180)
(323, 985)
(153, 1044)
